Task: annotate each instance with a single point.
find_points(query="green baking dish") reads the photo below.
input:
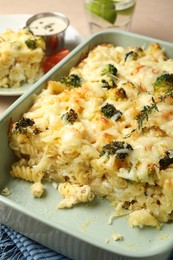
(82, 232)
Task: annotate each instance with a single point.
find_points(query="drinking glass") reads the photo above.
(107, 14)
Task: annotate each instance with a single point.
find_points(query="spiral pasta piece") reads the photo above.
(25, 173)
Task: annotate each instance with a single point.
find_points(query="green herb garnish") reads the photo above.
(145, 112)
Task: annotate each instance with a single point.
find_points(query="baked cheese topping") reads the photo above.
(21, 54)
(105, 130)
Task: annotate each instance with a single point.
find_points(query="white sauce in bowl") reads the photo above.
(47, 25)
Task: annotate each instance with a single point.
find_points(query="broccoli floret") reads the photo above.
(21, 126)
(110, 79)
(108, 83)
(108, 149)
(166, 160)
(71, 116)
(32, 44)
(109, 111)
(120, 149)
(131, 55)
(109, 69)
(71, 80)
(164, 83)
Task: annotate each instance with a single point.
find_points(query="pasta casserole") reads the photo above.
(104, 130)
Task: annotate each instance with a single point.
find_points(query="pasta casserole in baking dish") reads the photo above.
(104, 130)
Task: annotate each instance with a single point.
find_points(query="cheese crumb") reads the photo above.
(37, 189)
(116, 236)
(6, 192)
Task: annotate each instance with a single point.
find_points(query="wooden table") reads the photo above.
(152, 18)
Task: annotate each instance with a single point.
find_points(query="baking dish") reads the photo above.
(82, 232)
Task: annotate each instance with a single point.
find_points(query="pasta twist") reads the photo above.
(26, 173)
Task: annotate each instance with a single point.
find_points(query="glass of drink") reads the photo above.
(107, 14)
